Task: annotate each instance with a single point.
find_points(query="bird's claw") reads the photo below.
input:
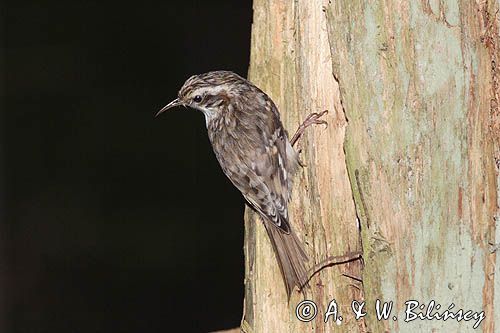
(314, 118)
(311, 119)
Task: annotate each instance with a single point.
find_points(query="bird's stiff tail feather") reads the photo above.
(290, 255)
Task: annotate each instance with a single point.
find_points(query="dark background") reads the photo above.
(115, 221)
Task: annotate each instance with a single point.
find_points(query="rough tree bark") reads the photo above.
(411, 155)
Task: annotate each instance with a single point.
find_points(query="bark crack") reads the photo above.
(360, 290)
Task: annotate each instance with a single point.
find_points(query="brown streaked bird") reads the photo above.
(255, 153)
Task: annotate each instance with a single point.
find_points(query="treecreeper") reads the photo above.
(256, 154)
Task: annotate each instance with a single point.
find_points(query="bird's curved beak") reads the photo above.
(175, 102)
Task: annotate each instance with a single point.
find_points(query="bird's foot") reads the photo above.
(312, 119)
(337, 260)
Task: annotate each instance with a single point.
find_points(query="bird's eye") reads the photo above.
(197, 98)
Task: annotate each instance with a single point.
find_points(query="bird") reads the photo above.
(255, 153)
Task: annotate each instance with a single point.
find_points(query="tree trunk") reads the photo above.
(407, 170)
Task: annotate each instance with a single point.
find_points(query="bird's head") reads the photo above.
(209, 92)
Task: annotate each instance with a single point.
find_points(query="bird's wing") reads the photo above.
(254, 158)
